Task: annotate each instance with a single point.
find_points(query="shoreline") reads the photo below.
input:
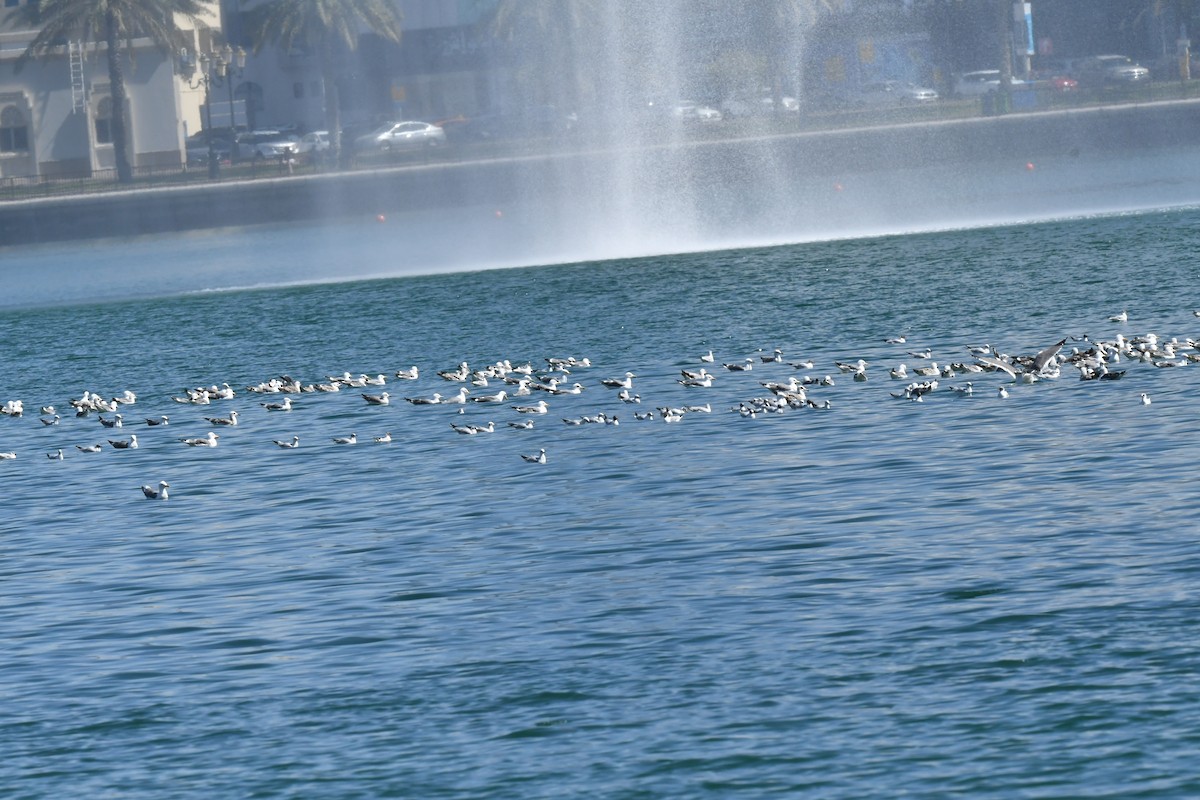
(689, 167)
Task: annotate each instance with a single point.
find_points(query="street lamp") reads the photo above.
(211, 70)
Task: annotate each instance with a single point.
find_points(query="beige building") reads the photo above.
(55, 114)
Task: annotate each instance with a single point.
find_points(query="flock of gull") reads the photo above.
(527, 397)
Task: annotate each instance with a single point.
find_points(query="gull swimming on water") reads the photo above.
(230, 420)
(351, 439)
(115, 422)
(55, 456)
(153, 493)
(1145, 399)
(89, 448)
(205, 441)
(387, 437)
(125, 444)
(425, 401)
(1122, 317)
(159, 421)
(537, 458)
(523, 425)
(377, 399)
(294, 443)
(8, 456)
(409, 374)
(286, 405)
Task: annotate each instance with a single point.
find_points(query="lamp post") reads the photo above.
(235, 61)
(212, 70)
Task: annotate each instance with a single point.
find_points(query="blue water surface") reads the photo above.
(966, 596)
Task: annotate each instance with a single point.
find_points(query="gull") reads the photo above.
(377, 399)
(387, 437)
(56, 455)
(523, 425)
(125, 444)
(47, 409)
(286, 405)
(775, 357)
(964, 391)
(804, 364)
(1122, 317)
(1046, 356)
(927, 353)
(7, 456)
(745, 366)
(471, 430)
(351, 439)
(896, 340)
(932, 371)
(204, 441)
(157, 421)
(461, 397)
(1145, 399)
(425, 401)
(378, 380)
(860, 375)
(115, 422)
(575, 388)
(294, 443)
(979, 349)
(619, 383)
(996, 363)
(159, 493)
(1003, 392)
(409, 374)
(707, 358)
(704, 409)
(90, 448)
(537, 458)
(643, 416)
(498, 397)
(52, 421)
(459, 374)
(230, 420)
(703, 383)
(900, 373)
(540, 407)
(626, 397)
(861, 364)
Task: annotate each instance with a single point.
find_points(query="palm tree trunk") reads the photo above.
(333, 109)
(116, 82)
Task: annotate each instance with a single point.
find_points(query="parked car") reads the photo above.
(265, 144)
(1054, 81)
(313, 145)
(197, 148)
(1111, 69)
(402, 135)
(985, 81)
(750, 106)
(894, 93)
(689, 111)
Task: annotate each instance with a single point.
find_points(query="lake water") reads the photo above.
(966, 596)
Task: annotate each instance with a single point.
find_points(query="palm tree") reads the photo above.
(325, 28)
(115, 23)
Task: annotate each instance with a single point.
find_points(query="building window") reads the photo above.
(297, 90)
(11, 3)
(104, 121)
(14, 132)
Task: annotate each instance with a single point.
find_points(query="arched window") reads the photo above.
(14, 131)
(104, 121)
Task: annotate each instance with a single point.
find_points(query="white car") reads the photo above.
(402, 135)
(687, 110)
(313, 142)
(265, 144)
(985, 81)
(895, 92)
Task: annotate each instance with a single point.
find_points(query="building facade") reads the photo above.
(56, 112)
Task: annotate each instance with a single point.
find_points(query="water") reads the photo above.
(959, 597)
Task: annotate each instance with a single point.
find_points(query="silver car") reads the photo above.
(402, 135)
(1111, 69)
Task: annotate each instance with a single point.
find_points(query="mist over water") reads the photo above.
(560, 225)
